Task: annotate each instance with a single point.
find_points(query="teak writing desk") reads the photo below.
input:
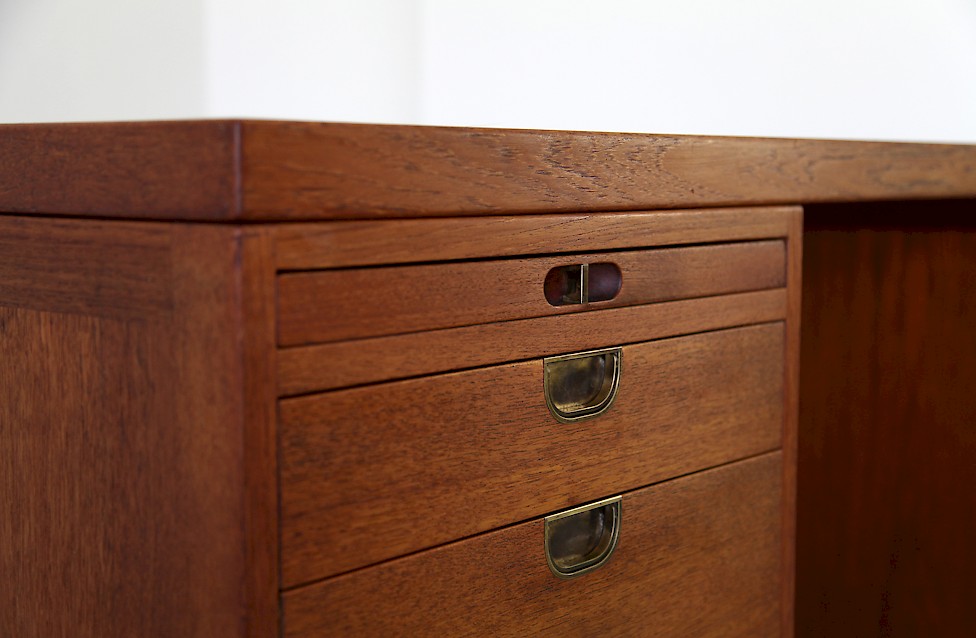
(294, 379)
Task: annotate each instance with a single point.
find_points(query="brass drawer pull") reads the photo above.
(581, 539)
(581, 385)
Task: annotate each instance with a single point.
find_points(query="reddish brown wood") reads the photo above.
(698, 556)
(371, 473)
(335, 365)
(791, 400)
(301, 170)
(304, 246)
(51, 265)
(123, 509)
(230, 170)
(162, 170)
(334, 305)
(887, 445)
(260, 434)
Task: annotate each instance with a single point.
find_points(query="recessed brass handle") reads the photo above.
(581, 539)
(581, 385)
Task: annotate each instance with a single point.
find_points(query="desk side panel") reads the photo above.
(887, 459)
(122, 503)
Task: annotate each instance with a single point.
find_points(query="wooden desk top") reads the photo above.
(279, 171)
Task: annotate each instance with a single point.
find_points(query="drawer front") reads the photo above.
(696, 556)
(372, 473)
(325, 306)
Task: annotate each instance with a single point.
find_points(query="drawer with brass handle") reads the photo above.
(353, 303)
(371, 473)
(698, 555)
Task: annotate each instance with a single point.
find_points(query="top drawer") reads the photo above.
(333, 305)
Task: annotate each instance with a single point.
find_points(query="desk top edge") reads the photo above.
(255, 170)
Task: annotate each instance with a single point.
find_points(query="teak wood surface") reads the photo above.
(336, 305)
(372, 473)
(306, 369)
(125, 451)
(791, 400)
(887, 458)
(262, 170)
(343, 244)
(697, 556)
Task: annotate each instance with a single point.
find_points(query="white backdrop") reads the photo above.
(868, 69)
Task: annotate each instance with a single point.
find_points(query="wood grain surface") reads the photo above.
(262, 170)
(371, 473)
(334, 305)
(346, 363)
(139, 170)
(791, 401)
(297, 170)
(887, 458)
(51, 265)
(697, 556)
(256, 290)
(122, 487)
(305, 246)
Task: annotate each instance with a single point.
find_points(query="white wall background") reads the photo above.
(101, 59)
(868, 69)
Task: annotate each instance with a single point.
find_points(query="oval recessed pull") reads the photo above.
(581, 385)
(582, 283)
(581, 539)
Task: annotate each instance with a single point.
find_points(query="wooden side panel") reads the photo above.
(330, 171)
(371, 473)
(335, 365)
(52, 266)
(332, 305)
(697, 556)
(149, 170)
(303, 246)
(887, 458)
(122, 498)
